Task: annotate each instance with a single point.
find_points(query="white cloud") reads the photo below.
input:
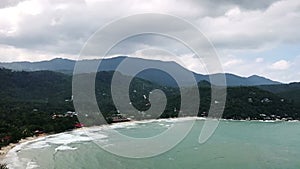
(9, 52)
(281, 65)
(248, 30)
(232, 13)
(232, 62)
(188, 61)
(259, 60)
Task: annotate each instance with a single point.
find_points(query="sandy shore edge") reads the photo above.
(6, 149)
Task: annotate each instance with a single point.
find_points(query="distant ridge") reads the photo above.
(66, 66)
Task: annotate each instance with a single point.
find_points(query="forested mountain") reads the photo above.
(289, 91)
(154, 75)
(30, 101)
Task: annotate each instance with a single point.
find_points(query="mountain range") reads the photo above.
(154, 75)
(38, 101)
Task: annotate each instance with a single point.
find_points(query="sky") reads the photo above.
(250, 37)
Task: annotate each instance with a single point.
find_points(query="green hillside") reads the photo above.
(38, 101)
(288, 91)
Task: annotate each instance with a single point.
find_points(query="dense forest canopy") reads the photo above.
(41, 101)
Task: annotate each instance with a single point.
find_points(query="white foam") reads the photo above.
(12, 159)
(65, 148)
(32, 165)
(58, 139)
(37, 145)
(97, 135)
(293, 121)
(130, 127)
(122, 125)
(267, 121)
(66, 138)
(62, 140)
(168, 125)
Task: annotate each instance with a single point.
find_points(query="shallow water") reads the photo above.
(234, 145)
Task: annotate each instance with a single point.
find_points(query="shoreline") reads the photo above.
(5, 150)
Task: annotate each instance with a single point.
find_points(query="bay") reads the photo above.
(234, 145)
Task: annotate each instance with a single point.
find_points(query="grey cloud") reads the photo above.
(216, 8)
(9, 3)
(216, 5)
(63, 27)
(135, 43)
(66, 30)
(246, 4)
(66, 36)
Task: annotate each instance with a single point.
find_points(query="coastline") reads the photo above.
(5, 150)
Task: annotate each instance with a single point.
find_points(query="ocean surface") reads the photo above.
(234, 145)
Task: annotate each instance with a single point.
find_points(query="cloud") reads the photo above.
(232, 62)
(63, 26)
(42, 29)
(8, 52)
(259, 60)
(9, 3)
(281, 65)
(248, 30)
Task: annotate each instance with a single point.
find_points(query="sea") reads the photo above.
(234, 145)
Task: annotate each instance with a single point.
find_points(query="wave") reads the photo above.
(62, 141)
(65, 148)
(32, 165)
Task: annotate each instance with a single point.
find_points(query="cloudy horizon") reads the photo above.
(250, 37)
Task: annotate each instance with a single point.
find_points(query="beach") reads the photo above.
(235, 144)
(78, 146)
(6, 149)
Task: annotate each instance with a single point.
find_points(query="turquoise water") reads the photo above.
(234, 145)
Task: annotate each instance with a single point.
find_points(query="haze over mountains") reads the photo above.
(162, 78)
